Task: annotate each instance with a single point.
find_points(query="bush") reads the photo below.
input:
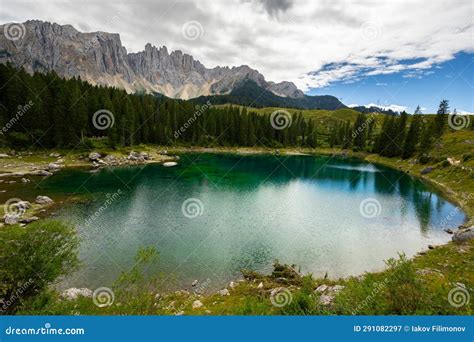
(424, 159)
(466, 157)
(445, 163)
(32, 258)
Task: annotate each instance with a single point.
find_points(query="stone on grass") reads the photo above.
(464, 234)
(197, 304)
(44, 200)
(326, 299)
(224, 292)
(321, 288)
(11, 218)
(74, 293)
(93, 156)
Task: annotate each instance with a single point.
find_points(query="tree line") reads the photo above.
(47, 111)
(44, 110)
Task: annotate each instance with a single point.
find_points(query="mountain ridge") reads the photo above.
(100, 58)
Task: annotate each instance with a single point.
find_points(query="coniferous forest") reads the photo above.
(51, 112)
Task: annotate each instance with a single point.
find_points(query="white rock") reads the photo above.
(194, 283)
(25, 180)
(231, 284)
(326, 299)
(197, 304)
(74, 292)
(337, 288)
(260, 286)
(44, 200)
(169, 164)
(321, 288)
(53, 167)
(41, 173)
(224, 292)
(93, 156)
(11, 218)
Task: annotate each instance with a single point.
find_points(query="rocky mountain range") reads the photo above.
(100, 58)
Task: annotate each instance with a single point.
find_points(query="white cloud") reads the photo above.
(284, 39)
(394, 107)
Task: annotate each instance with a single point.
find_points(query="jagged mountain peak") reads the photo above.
(100, 58)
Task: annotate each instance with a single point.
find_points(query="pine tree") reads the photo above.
(413, 136)
(440, 119)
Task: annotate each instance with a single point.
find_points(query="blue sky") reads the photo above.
(452, 80)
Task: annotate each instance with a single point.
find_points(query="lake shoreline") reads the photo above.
(158, 157)
(444, 190)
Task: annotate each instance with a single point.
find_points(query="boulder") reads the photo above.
(74, 292)
(224, 292)
(4, 155)
(462, 234)
(197, 304)
(427, 170)
(110, 159)
(54, 155)
(11, 218)
(260, 286)
(25, 180)
(326, 299)
(93, 156)
(43, 173)
(337, 288)
(321, 288)
(194, 283)
(44, 200)
(54, 167)
(135, 156)
(169, 164)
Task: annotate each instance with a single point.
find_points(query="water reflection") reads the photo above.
(301, 210)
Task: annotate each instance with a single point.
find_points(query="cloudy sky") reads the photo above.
(391, 53)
